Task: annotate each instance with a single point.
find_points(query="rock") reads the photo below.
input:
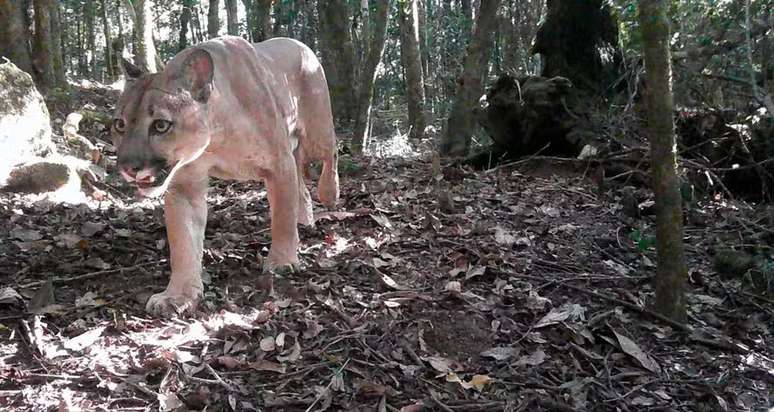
(66, 178)
(25, 129)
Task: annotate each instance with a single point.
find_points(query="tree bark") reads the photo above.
(42, 46)
(672, 270)
(262, 15)
(57, 56)
(374, 51)
(14, 36)
(412, 67)
(213, 21)
(461, 124)
(338, 55)
(108, 47)
(232, 18)
(144, 49)
(91, 39)
(185, 21)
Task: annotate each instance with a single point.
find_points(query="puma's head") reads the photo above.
(160, 122)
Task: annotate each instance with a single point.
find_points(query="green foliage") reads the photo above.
(348, 166)
(643, 241)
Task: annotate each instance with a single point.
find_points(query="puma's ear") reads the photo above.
(132, 71)
(196, 74)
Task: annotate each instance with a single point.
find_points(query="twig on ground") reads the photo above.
(61, 281)
(328, 387)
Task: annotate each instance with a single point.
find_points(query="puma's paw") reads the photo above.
(166, 304)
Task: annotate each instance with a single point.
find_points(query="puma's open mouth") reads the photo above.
(149, 181)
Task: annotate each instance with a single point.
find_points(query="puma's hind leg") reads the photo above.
(305, 214)
(328, 185)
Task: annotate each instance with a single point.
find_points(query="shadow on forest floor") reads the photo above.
(480, 291)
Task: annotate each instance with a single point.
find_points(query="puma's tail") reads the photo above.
(328, 186)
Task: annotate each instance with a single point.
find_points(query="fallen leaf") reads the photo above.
(535, 358)
(169, 402)
(84, 340)
(90, 229)
(25, 235)
(475, 271)
(267, 344)
(383, 221)
(560, 314)
(500, 353)
(632, 349)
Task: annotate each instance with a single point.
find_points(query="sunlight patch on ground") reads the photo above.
(395, 145)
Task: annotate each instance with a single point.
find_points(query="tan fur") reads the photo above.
(264, 114)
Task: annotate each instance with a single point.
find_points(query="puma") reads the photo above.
(233, 110)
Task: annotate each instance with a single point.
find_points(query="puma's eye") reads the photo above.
(161, 126)
(119, 125)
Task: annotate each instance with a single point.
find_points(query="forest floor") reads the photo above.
(521, 288)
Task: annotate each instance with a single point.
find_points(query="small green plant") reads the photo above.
(643, 241)
(348, 166)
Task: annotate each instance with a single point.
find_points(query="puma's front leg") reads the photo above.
(185, 212)
(283, 192)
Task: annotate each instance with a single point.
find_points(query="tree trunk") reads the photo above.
(108, 47)
(120, 20)
(83, 67)
(412, 67)
(213, 21)
(185, 21)
(196, 23)
(460, 126)
(262, 15)
(338, 55)
(91, 41)
(672, 270)
(374, 52)
(232, 19)
(42, 46)
(57, 55)
(14, 36)
(144, 49)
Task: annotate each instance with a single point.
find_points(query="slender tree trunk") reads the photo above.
(108, 47)
(461, 125)
(213, 21)
(185, 21)
(120, 20)
(196, 23)
(412, 67)
(57, 54)
(374, 52)
(91, 41)
(83, 67)
(672, 270)
(42, 45)
(14, 36)
(308, 29)
(262, 15)
(232, 19)
(144, 48)
(338, 55)
(64, 41)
